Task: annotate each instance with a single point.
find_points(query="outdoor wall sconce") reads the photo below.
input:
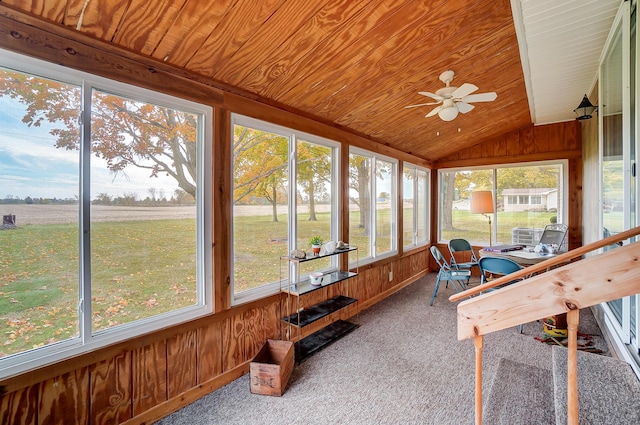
(585, 109)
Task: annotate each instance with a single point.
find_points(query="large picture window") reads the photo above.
(284, 193)
(372, 204)
(526, 198)
(103, 234)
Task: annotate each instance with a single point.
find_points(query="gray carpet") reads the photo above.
(520, 395)
(403, 365)
(608, 390)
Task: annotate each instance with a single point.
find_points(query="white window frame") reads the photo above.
(88, 341)
(494, 226)
(427, 202)
(271, 288)
(374, 194)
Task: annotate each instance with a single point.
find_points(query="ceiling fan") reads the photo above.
(453, 99)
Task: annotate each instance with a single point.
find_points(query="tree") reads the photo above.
(125, 132)
(102, 199)
(359, 181)
(313, 172)
(260, 166)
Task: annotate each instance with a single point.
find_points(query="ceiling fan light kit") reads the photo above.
(452, 100)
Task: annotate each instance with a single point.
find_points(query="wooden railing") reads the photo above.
(555, 286)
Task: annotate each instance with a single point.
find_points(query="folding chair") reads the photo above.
(501, 267)
(448, 274)
(555, 234)
(463, 248)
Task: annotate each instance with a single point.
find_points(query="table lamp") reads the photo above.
(482, 203)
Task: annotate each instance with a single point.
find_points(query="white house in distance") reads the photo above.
(531, 199)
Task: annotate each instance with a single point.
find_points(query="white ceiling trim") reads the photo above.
(561, 42)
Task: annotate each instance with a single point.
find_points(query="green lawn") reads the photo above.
(475, 227)
(139, 269)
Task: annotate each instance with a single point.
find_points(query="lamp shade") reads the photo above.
(482, 202)
(585, 109)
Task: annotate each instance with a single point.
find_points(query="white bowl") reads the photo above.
(316, 278)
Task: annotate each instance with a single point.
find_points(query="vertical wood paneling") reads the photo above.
(572, 137)
(149, 376)
(110, 383)
(64, 399)
(526, 136)
(499, 147)
(546, 136)
(254, 331)
(272, 321)
(19, 407)
(232, 342)
(182, 355)
(209, 352)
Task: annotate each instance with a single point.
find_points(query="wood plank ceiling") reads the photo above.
(353, 63)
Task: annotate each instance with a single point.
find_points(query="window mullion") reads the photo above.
(85, 217)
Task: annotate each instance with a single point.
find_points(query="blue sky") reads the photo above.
(31, 165)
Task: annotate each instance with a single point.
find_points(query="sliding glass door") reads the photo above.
(618, 127)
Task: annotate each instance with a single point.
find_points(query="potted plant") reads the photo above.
(316, 244)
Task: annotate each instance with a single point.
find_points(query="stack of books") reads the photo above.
(502, 248)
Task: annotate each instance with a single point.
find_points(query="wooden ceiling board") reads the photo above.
(99, 19)
(323, 25)
(146, 24)
(325, 51)
(52, 11)
(333, 76)
(411, 78)
(503, 83)
(481, 123)
(234, 30)
(281, 26)
(193, 25)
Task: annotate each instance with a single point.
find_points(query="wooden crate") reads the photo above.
(271, 368)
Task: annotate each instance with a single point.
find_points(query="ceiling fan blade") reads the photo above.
(421, 104)
(464, 107)
(434, 111)
(433, 95)
(481, 97)
(464, 90)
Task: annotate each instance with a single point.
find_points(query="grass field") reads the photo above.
(139, 269)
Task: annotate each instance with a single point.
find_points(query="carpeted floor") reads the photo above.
(534, 403)
(403, 365)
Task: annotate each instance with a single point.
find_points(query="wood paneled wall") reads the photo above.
(145, 378)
